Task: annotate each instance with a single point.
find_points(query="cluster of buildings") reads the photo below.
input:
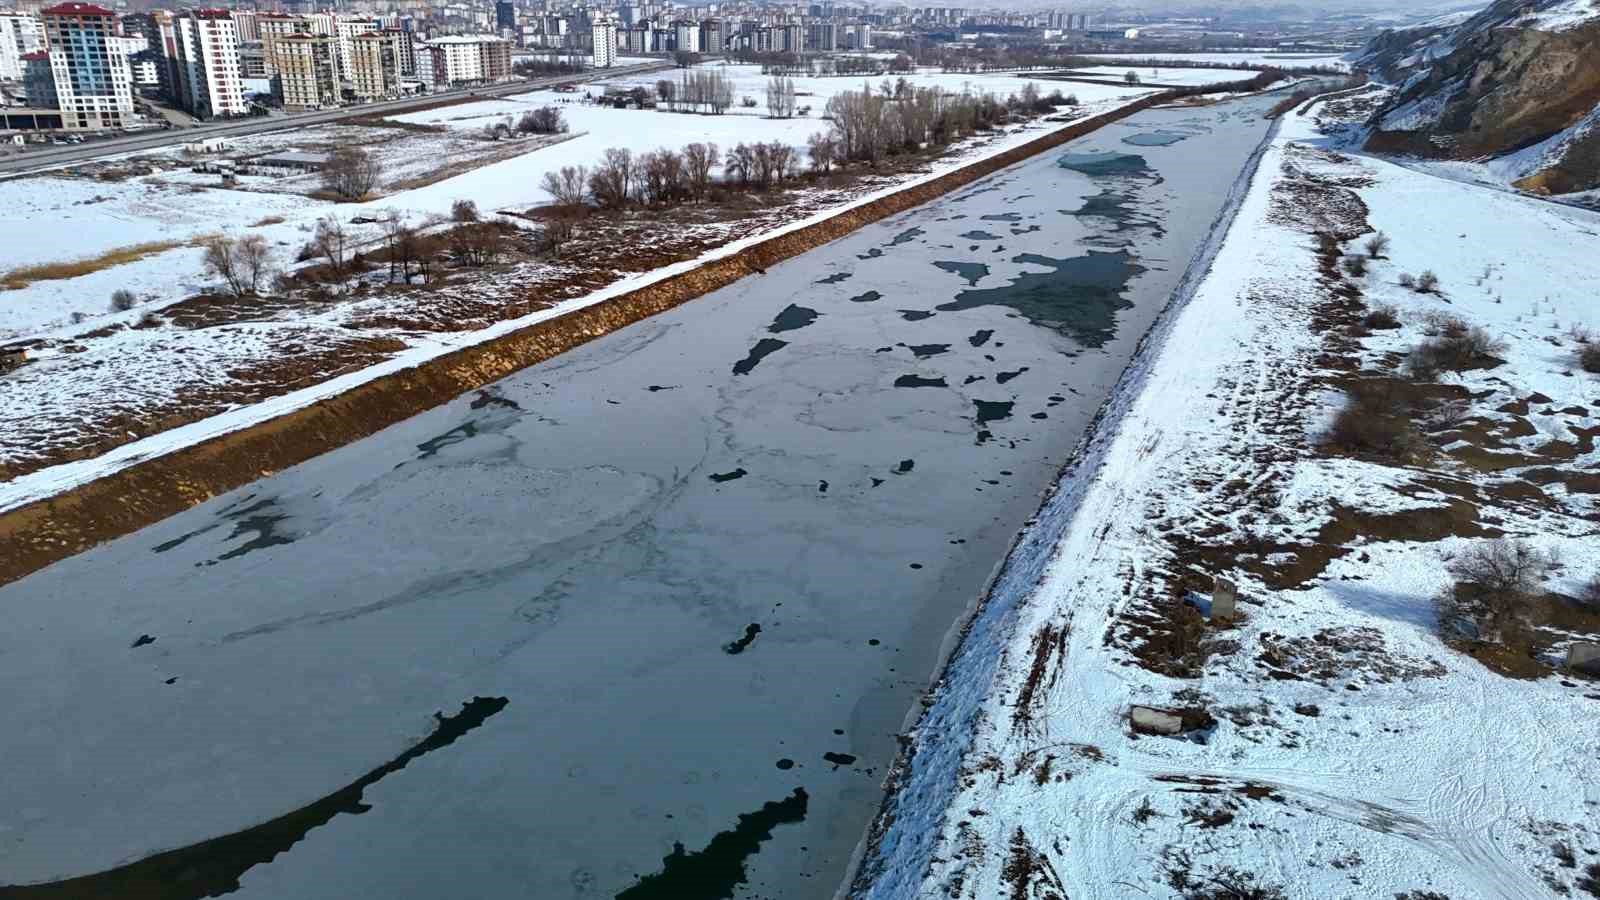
(81, 66)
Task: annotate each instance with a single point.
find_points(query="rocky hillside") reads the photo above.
(1519, 82)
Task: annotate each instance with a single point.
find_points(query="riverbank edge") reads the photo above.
(948, 713)
(46, 531)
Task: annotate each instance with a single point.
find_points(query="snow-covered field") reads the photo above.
(1243, 57)
(66, 218)
(1156, 74)
(1352, 753)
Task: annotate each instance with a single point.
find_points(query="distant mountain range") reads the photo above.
(1518, 84)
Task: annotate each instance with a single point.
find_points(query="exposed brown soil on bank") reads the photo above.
(36, 535)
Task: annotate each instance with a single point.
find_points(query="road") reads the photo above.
(56, 156)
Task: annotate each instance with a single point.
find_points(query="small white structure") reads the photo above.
(207, 145)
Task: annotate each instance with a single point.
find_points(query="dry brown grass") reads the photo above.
(269, 220)
(16, 279)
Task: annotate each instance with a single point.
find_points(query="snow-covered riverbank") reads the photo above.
(1335, 745)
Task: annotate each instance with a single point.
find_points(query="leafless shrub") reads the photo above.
(1355, 266)
(544, 120)
(477, 243)
(1589, 358)
(123, 300)
(1373, 423)
(1590, 595)
(464, 210)
(557, 231)
(1580, 333)
(1496, 582)
(1378, 245)
(1450, 414)
(1383, 316)
(1408, 281)
(351, 173)
(1427, 283)
(1455, 350)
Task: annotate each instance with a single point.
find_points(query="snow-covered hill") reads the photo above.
(1521, 79)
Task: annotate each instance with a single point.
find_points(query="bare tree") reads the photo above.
(351, 173)
(256, 263)
(123, 300)
(822, 148)
(666, 91)
(612, 181)
(698, 161)
(222, 261)
(740, 163)
(478, 244)
(662, 179)
(557, 231)
(569, 185)
(780, 97)
(464, 211)
(331, 241)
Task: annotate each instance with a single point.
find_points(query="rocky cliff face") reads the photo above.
(1518, 83)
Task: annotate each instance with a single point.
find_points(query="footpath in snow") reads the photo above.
(1334, 739)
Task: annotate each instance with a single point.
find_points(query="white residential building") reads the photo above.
(272, 27)
(208, 64)
(688, 36)
(604, 31)
(19, 35)
(374, 66)
(93, 86)
(345, 30)
(469, 59)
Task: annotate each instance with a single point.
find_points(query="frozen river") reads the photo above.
(672, 594)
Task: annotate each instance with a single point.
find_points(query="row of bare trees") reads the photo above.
(698, 90)
(662, 177)
(869, 126)
(781, 97)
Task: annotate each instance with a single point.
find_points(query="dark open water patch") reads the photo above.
(793, 317)
(213, 868)
(981, 337)
(1002, 217)
(971, 271)
(835, 278)
(993, 410)
(488, 397)
(923, 351)
(1080, 297)
(1104, 163)
(1004, 377)
(917, 381)
(735, 475)
(909, 234)
(976, 235)
(717, 871)
(868, 297)
(839, 759)
(431, 447)
(915, 315)
(1025, 230)
(906, 465)
(1154, 138)
(737, 647)
(763, 349)
(874, 253)
(260, 519)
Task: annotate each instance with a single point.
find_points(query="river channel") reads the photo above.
(642, 621)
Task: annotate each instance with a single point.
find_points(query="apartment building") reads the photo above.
(308, 73)
(210, 84)
(38, 82)
(374, 66)
(92, 84)
(604, 31)
(686, 36)
(19, 35)
(468, 59)
(272, 27)
(346, 30)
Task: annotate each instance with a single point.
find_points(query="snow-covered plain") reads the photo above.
(1404, 766)
(1157, 74)
(1243, 57)
(65, 218)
